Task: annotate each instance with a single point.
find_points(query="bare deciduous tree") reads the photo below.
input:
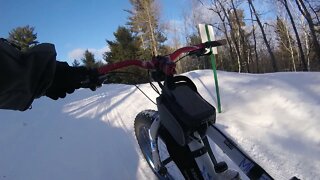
(304, 11)
(273, 60)
(302, 57)
(215, 8)
(254, 42)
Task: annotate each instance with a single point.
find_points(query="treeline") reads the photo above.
(266, 36)
(141, 38)
(263, 36)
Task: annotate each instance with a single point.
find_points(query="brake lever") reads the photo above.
(88, 82)
(199, 53)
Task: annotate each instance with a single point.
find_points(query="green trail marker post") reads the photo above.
(207, 34)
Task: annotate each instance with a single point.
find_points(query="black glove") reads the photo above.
(67, 79)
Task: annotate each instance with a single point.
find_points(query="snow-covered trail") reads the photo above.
(89, 135)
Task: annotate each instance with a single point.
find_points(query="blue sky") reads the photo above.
(74, 26)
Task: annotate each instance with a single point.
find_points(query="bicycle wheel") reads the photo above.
(142, 124)
(181, 162)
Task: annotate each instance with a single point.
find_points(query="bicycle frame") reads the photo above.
(197, 144)
(204, 160)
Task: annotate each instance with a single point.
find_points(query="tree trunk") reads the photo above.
(315, 12)
(255, 42)
(291, 51)
(273, 60)
(304, 11)
(307, 49)
(141, 39)
(285, 3)
(232, 36)
(306, 42)
(225, 32)
(151, 31)
(241, 34)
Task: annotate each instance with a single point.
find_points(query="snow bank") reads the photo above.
(89, 135)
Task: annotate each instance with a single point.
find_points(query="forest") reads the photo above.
(262, 36)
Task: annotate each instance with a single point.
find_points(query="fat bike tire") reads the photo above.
(181, 155)
(142, 125)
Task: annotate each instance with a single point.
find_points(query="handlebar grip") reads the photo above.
(210, 44)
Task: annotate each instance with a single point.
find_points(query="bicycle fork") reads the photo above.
(197, 146)
(202, 157)
(153, 132)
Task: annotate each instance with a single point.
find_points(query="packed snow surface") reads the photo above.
(274, 117)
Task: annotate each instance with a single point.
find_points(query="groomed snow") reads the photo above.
(274, 117)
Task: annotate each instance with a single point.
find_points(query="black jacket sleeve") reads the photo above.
(25, 76)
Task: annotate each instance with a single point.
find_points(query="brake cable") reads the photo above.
(181, 58)
(145, 94)
(152, 85)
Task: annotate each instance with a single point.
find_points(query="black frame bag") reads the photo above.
(183, 110)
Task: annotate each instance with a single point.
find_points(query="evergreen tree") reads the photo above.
(88, 60)
(144, 22)
(24, 37)
(125, 47)
(75, 63)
